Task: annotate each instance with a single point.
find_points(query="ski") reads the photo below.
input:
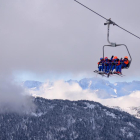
(119, 74)
(108, 74)
(101, 73)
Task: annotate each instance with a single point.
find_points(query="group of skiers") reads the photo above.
(113, 65)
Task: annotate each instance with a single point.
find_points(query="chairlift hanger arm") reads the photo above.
(107, 19)
(108, 28)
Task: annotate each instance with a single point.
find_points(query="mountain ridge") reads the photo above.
(117, 89)
(69, 120)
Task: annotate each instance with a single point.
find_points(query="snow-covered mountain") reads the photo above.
(117, 89)
(103, 88)
(69, 120)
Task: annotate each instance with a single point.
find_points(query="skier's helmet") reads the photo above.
(126, 57)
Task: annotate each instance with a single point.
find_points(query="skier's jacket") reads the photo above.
(126, 61)
(107, 62)
(118, 62)
(101, 62)
(112, 61)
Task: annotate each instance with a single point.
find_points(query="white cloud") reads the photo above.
(64, 90)
(125, 101)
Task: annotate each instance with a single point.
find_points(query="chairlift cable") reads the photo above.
(107, 19)
(128, 31)
(90, 9)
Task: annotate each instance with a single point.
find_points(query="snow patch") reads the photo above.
(129, 123)
(93, 123)
(110, 114)
(62, 129)
(91, 106)
(90, 83)
(130, 134)
(123, 130)
(115, 91)
(70, 120)
(37, 114)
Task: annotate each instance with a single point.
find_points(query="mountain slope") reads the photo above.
(69, 120)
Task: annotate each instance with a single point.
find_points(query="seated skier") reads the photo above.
(115, 65)
(118, 66)
(107, 65)
(112, 63)
(101, 64)
(125, 62)
(122, 63)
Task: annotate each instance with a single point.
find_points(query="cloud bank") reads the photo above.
(13, 98)
(64, 90)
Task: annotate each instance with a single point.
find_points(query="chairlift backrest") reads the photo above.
(130, 60)
(128, 65)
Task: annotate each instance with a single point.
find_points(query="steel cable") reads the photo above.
(107, 19)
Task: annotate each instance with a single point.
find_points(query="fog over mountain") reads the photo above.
(13, 97)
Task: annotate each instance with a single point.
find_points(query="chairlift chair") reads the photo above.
(114, 44)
